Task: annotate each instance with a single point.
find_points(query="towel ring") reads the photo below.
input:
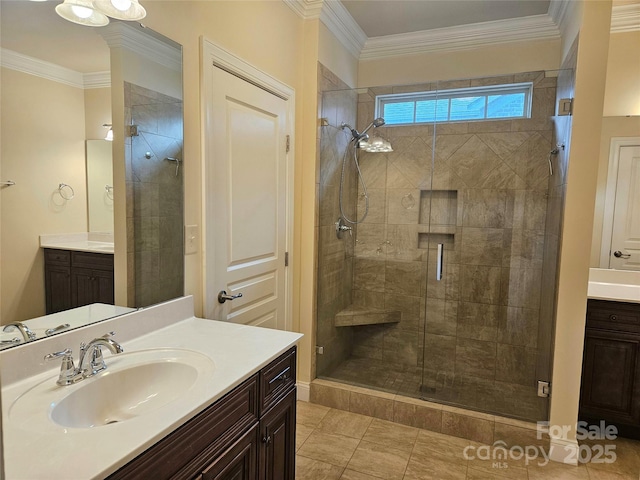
(109, 190)
(66, 191)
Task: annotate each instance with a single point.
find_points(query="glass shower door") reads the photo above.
(485, 237)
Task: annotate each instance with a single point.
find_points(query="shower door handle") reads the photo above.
(439, 262)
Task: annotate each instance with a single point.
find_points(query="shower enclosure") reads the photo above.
(437, 293)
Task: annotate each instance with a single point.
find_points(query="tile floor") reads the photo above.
(334, 444)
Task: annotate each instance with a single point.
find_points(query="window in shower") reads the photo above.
(463, 104)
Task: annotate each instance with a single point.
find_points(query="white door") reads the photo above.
(625, 237)
(245, 203)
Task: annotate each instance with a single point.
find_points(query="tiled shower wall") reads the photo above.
(337, 104)
(488, 201)
(154, 196)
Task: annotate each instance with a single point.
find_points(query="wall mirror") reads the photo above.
(58, 89)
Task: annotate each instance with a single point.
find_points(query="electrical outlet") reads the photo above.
(191, 239)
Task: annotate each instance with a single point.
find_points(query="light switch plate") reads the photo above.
(191, 239)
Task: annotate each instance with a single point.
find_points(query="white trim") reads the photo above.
(340, 22)
(564, 451)
(121, 35)
(40, 68)
(462, 37)
(610, 194)
(625, 18)
(559, 13)
(97, 79)
(305, 9)
(214, 55)
(304, 391)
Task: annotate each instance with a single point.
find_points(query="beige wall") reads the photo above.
(97, 112)
(480, 62)
(43, 131)
(333, 55)
(579, 213)
(611, 127)
(622, 94)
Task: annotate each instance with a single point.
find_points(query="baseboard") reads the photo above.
(564, 451)
(303, 390)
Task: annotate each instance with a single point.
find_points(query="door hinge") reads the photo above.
(565, 106)
(544, 389)
(288, 143)
(286, 259)
(319, 350)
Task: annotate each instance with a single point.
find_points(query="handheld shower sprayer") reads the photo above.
(357, 136)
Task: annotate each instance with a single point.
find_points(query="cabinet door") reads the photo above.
(611, 377)
(278, 440)
(238, 462)
(82, 287)
(104, 292)
(91, 286)
(58, 288)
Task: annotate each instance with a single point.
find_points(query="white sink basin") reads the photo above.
(133, 385)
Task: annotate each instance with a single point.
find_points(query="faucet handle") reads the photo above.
(64, 353)
(68, 373)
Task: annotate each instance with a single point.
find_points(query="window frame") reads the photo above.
(504, 89)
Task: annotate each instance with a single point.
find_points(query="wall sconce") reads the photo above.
(109, 136)
(96, 13)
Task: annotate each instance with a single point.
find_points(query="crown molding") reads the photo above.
(51, 71)
(97, 79)
(340, 22)
(121, 35)
(625, 18)
(305, 9)
(463, 37)
(559, 11)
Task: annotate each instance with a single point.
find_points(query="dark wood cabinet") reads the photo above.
(610, 389)
(247, 434)
(74, 279)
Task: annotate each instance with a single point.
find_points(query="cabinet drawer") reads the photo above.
(98, 261)
(57, 257)
(618, 316)
(187, 451)
(276, 379)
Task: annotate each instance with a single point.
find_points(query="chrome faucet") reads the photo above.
(93, 352)
(90, 353)
(27, 334)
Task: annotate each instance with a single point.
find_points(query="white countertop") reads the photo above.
(38, 448)
(82, 242)
(614, 285)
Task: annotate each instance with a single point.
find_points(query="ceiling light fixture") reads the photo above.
(121, 9)
(82, 12)
(96, 13)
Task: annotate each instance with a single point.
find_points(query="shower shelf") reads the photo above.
(353, 316)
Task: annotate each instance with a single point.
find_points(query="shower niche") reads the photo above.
(438, 218)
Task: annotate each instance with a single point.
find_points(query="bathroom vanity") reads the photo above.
(610, 389)
(78, 270)
(188, 398)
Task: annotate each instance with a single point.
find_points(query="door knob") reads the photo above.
(223, 296)
(619, 254)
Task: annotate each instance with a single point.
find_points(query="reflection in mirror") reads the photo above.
(99, 186)
(57, 95)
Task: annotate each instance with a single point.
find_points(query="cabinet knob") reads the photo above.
(613, 317)
(266, 440)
